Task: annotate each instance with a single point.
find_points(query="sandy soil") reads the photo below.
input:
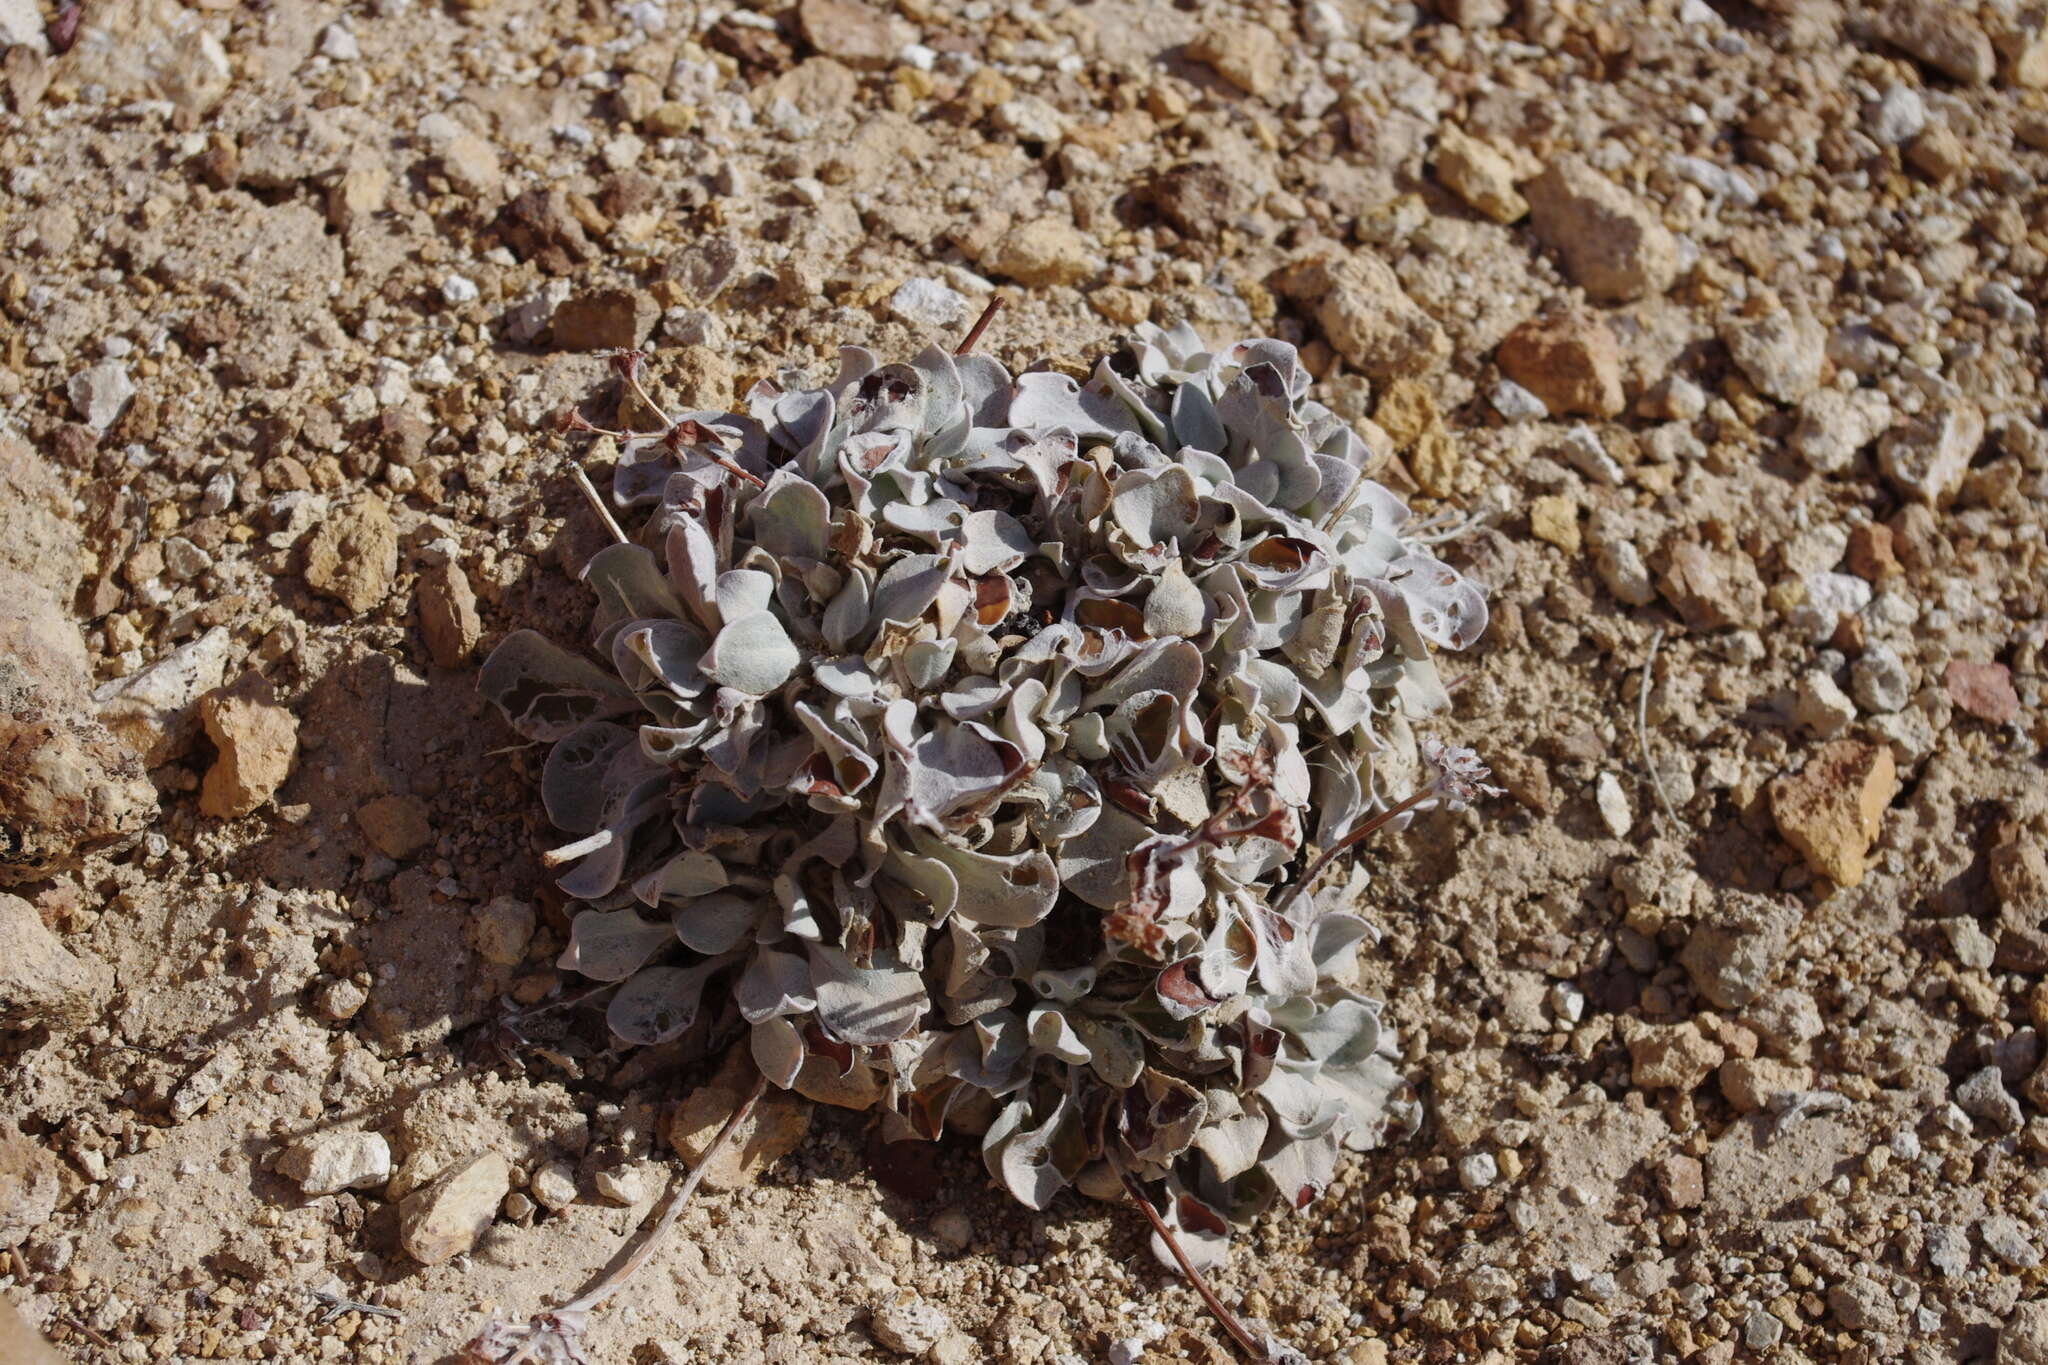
(1720, 319)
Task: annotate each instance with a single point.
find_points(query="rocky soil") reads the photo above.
(1719, 321)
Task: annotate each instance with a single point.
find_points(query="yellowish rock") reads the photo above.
(1555, 518)
(1479, 175)
(1831, 809)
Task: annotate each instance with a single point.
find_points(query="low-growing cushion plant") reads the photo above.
(958, 740)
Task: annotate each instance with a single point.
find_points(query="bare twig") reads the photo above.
(337, 1305)
(1643, 727)
(1226, 1319)
(551, 1337)
(590, 495)
(988, 315)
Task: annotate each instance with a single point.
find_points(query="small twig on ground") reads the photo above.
(988, 315)
(1643, 727)
(590, 495)
(337, 1305)
(1226, 1319)
(552, 1336)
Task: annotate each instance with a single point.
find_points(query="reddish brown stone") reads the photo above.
(1983, 689)
(1570, 360)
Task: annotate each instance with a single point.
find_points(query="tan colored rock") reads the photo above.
(849, 31)
(357, 194)
(353, 555)
(30, 1183)
(1831, 809)
(1479, 175)
(471, 165)
(155, 711)
(1749, 1082)
(449, 1216)
(1672, 1057)
(1568, 359)
(1358, 302)
(448, 614)
(1555, 518)
(500, 930)
(397, 825)
(605, 320)
(20, 1344)
(41, 982)
(67, 785)
(772, 1131)
(37, 536)
(1044, 252)
(1926, 456)
(257, 742)
(1612, 244)
(1712, 589)
(1247, 54)
(1943, 36)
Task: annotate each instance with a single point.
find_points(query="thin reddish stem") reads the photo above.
(988, 315)
(1248, 1343)
(1324, 859)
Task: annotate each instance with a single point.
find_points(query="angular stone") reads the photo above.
(353, 555)
(1927, 456)
(41, 982)
(67, 785)
(448, 1217)
(1672, 1057)
(1731, 955)
(848, 31)
(1611, 243)
(1780, 352)
(156, 711)
(772, 1131)
(1366, 316)
(1247, 54)
(1042, 253)
(1199, 199)
(1712, 589)
(1749, 1082)
(1569, 360)
(500, 929)
(1831, 809)
(1834, 425)
(1479, 175)
(101, 393)
(606, 320)
(448, 614)
(1941, 35)
(257, 741)
(1983, 689)
(908, 1325)
(326, 1163)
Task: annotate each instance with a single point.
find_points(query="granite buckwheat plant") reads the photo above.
(961, 737)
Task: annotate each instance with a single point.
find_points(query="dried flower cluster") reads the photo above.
(963, 731)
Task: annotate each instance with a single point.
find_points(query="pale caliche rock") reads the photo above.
(41, 981)
(450, 1215)
(1612, 243)
(256, 742)
(1366, 316)
(67, 785)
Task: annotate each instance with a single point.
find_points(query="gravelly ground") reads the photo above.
(1720, 319)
